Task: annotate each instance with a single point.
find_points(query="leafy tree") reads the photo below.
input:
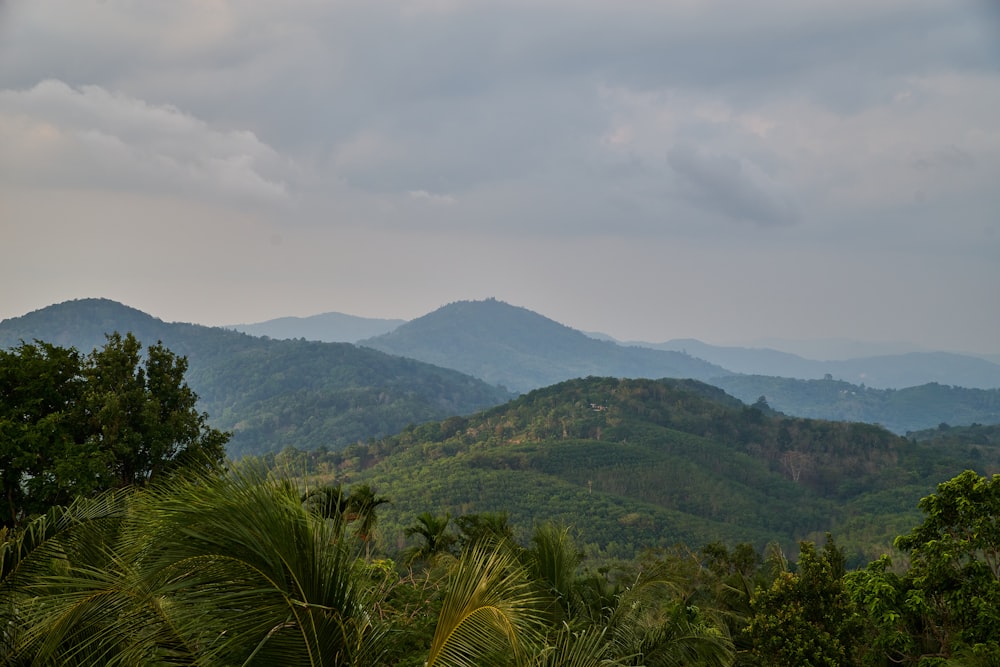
(72, 425)
(955, 566)
(805, 618)
(42, 462)
(142, 415)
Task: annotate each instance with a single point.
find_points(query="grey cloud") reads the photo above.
(948, 158)
(733, 186)
(92, 136)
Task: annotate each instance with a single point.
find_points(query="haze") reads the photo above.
(650, 170)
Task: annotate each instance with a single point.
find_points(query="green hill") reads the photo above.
(274, 393)
(640, 463)
(522, 350)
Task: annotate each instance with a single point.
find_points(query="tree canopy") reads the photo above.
(74, 425)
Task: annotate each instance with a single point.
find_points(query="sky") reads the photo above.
(649, 169)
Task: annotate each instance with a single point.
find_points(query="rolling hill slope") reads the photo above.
(641, 463)
(274, 393)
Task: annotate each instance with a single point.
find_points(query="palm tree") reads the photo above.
(433, 533)
(361, 505)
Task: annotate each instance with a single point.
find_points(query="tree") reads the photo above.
(433, 533)
(143, 416)
(954, 573)
(41, 462)
(72, 425)
(805, 618)
(361, 505)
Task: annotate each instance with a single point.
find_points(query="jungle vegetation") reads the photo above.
(133, 543)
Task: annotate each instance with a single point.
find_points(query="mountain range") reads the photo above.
(461, 358)
(274, 393)
(878, 365)
(325, 327)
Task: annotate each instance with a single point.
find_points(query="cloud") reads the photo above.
(432, 198)
(733, 186)
(89, 136)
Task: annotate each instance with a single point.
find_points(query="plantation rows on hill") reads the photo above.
(639, 463)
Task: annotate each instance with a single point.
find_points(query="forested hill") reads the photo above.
(638, 463)
(273, 393)
(522, 350)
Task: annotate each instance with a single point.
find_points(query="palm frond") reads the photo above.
(490, 610)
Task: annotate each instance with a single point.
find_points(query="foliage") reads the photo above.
(200, 570)
(954, 574)
(805, 618)
(490, 615)
(72, 425)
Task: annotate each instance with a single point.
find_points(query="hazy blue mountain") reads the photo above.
(522, 350)
(899, 410)
(274, 393)
(885, 371)
(835, 349)
(754, 361)
(325, 327)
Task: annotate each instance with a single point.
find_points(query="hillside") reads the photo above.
(522, 350)
(899, 410)
(274, 393)
(639, 463)
(887, 371)
(325, 327)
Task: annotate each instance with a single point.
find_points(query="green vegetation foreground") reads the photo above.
(165, 558)
(242, 569)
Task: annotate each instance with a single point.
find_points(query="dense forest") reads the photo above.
(130, 541)
(636, 464)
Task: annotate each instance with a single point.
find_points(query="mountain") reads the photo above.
(325, 327)
(835, 348)
(899, 410)
(522, 350)
(891, 371)
(632, 464)
(273, 393)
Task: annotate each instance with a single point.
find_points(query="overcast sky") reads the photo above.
(651, 169)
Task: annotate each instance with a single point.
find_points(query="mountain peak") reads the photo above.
(522, 350)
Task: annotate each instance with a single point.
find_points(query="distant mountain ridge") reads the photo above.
(522, 350)
(273, 393)
(497, 343)
(883, 365)
(887, 371)
(326, 327)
